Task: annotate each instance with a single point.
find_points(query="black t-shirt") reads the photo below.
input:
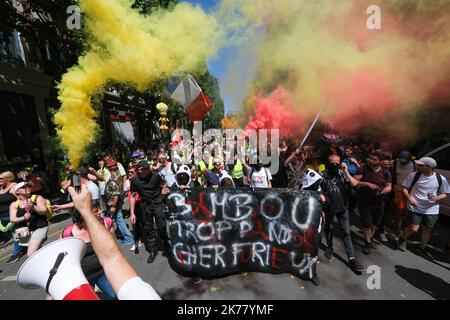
(148, 188)
(336, 187)
(37, 220)
(5, 200)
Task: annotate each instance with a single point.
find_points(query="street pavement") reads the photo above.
(404, 275)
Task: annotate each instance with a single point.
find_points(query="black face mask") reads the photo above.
(333, 169)
(258, 166)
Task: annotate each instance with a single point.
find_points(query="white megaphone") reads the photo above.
(56, 268)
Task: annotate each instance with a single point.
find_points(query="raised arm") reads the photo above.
(116, 267)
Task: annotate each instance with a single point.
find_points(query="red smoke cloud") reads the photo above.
(277, 111)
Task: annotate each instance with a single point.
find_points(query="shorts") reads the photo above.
(371, 214)
(39, 234)
(428, 220)
(400, 200)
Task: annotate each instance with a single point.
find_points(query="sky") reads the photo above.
(219, 67)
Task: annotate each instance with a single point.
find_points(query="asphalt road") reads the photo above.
(404, 275)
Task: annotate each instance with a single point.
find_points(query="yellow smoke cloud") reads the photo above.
(126, 47)
(322, 52)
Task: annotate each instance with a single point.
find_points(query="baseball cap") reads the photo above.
(143, 164)
(427, 161)
(135, 155)
(19, 186)
(404, 157)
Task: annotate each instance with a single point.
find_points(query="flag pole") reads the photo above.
(312, 127)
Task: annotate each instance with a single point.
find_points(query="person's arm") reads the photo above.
(387, 189)
(116, 267)
(353, 181)
(411, 200)
(365, 184)
(13, 214)
(288, 160)
(94, 175)
(439, 197)
(39, 206)
(58, 207)
(132, 206)
(353, 160)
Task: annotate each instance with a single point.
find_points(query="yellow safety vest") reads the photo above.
(238, 170)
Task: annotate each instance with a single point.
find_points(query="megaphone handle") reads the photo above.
(54, 270)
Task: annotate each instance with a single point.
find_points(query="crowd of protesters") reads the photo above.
(355, 181)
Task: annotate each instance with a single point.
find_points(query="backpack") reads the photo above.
(48, 205)
(417, 177)
(110, 186)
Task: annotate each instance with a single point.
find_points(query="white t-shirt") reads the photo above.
(403, 170)
(168, 176)
(136, 289)
(94, 190)
(122, 171)
(424, 186)
(261, 178)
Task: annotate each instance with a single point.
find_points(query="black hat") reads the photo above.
(143, 164)
(404, 157)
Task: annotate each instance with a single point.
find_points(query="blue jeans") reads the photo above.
(344, 224)
(106, 287)
(16, 247)
(128, 237)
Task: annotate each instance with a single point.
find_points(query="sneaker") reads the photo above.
(373, 245)
(383, 237)
(425, 254)
(356, 266)
(152, 256)
(196, 280)
(13, 259)
(134, 247)
(329, 253)
(315, 280)
(367, 248)
(402, 245)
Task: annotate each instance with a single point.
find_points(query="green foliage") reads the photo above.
(148, 6)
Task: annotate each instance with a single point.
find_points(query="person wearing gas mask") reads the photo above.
(311, 182)
(184, 183)
(148, 184)
(335, 185)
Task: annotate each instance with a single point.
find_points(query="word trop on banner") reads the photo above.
(219, 232)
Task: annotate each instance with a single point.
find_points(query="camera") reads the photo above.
(75, 182)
